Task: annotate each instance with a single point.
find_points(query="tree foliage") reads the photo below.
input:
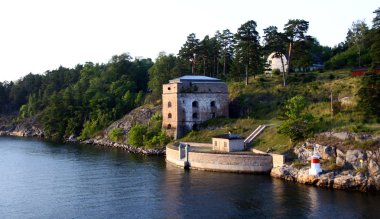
(248, 49)
(369, 95)
(164, 69)
(149, 136)
(299, 123)
(295, 31)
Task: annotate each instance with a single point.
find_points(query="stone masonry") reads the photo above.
(188, 101)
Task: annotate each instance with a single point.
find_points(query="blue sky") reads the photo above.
(41, 35)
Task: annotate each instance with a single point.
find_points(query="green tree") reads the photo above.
(137, 135)
(295, 30)
(375, 48)
(356, 36)
(299, 124)
(189, 51)
(369, 95)
(275, 41)
(226, 41)
(161, 72)
(376, 19)
(116, 134)
(248, 48)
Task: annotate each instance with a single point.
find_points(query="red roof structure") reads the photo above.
(362, 71)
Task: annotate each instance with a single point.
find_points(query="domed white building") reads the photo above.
(275, 62)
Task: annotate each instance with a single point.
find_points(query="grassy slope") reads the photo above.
(261, 103)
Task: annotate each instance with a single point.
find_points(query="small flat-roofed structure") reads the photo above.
(228, 143)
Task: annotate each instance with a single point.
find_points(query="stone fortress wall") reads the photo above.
(224, 162)
(190, 100)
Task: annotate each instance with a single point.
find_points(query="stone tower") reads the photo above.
(188, 101)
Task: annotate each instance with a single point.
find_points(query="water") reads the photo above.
(45, 180)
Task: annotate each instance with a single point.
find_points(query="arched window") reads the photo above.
(169, 126)
(195, 115)
(169, 115)
(169, 104)
(195, 104)
(212, 104)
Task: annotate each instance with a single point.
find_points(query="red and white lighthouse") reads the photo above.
(315, 167)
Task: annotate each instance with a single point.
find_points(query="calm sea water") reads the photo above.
(46, 180)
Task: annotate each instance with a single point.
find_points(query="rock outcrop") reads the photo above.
(129, 148)
(28, 127)
(351, 169)
(346, 180)
(140, 115)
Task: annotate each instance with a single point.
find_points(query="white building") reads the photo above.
(228, 143)
(275, 62)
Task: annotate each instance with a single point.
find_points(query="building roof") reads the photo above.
(195, 78)
(229, 136)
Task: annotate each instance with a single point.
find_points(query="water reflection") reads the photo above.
(49, 180)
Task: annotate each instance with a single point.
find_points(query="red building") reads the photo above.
(362, 71)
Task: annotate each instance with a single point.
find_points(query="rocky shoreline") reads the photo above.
(30, 128)
(38, 133)
(126, 147)
(343, 168)
(344, 180)
(349, 169)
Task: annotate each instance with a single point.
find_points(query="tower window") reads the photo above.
(195, 115)
(169, 115)
(169, 104)
(212, 104)
(169, 126)
(195, 104)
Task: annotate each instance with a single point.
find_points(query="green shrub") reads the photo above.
(116, 134)
(299, 124)
(158, 140)
(136, 135)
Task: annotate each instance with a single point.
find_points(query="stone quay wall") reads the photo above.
(224, 162)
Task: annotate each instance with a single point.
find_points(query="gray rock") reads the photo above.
(340, 158)
(343, 182)
(373, 168)
(326, 180)
(327, 152)
(303, 153)
(353, 157)
(285, 172)
(341, 135)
